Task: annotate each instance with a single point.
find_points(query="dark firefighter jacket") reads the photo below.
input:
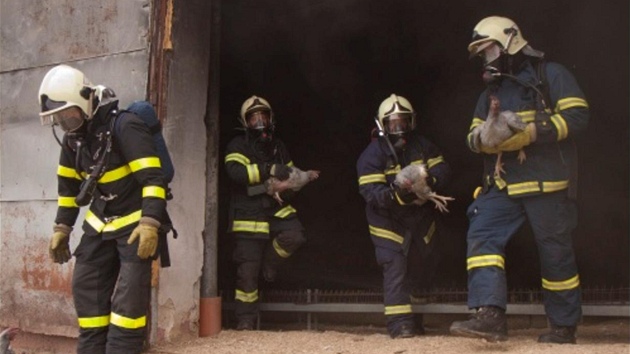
(546, 168)
(392, 224)
(247, 168)
(132, 185)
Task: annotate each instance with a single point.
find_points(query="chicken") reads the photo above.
(6, 337)
(498, 127)
(297, 179)
(414, 178)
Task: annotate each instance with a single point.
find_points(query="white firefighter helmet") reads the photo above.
(501, 30)
(400, 107)
(255, 104)
(64, 87)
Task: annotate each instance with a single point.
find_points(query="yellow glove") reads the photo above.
(147, 231)
(515, 142)
(59, 248)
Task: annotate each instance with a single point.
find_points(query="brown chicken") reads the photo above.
(414, 178)
(297, 179)
(498, 127)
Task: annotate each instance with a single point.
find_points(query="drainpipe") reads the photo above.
(209, 301)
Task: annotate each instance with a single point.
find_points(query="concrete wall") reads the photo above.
(109, 41)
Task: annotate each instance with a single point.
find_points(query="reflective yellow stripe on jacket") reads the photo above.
(118, 223)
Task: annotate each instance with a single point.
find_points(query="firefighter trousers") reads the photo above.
(252, 254)
(494, 218)
(403, 273)
(111, 289)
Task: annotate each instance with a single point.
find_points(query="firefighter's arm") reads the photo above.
(138, 149)
(570, 113)
(68, 185)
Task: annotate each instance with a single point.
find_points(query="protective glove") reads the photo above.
(59, 248)
(515, 142)
(403, 196)
(280, 171)
(147, 231)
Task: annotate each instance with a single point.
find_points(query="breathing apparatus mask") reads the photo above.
(259, 126)
(397, 128)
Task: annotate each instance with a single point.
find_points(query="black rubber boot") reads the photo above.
(405, 331)
(245, 325)
(489, 322)
(559, 335)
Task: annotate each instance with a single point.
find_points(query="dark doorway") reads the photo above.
(326, 65)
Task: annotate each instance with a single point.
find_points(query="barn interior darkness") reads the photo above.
(326, 65)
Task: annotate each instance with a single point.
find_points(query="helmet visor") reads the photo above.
(69, 119)
(397, 124)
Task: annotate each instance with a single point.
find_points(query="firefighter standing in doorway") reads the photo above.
(547, 97)
(398, 227)
(266, 232)
(119, 176)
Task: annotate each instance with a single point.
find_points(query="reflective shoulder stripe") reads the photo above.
(154, 191)
(397, 309)
(246, 297)
(129, 323)
(145, 162)
(114, 175)
(373, 178)
(284, 212)
(94, 322)
(562, 285)
(250, 226)
(236, 157)
(386, 234)
(488, 260)
(417, 162)
(68, 172)
(290, 164)
(68, 202)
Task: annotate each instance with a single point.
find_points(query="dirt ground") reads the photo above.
(599, 336)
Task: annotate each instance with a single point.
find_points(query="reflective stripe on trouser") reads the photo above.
(247, 256)
(494, 219)
(396, 292)
(110, 324)
(282, 247)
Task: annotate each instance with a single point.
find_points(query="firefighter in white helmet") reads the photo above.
(266, 232)
(536, 190)
(118, 175)
(400, 228)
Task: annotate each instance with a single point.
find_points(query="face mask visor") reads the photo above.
(397, 124)
(69, 119)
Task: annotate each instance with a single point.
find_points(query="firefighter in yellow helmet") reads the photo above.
(546, 96)
(266, 232)
(401, 227)
(118, 175)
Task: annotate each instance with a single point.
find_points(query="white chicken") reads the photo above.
(414, 178)
(297, 179)
(498, 127)
(6, 337)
